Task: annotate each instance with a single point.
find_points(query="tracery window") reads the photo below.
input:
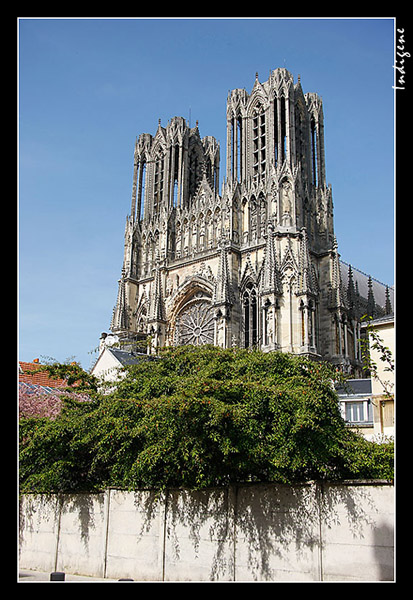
(249, 300)
(276, 152)
(158, 184)
(280, 130)
(239, 148)
(283, 130)
(314, 151)
(174, 174)
(259, 141)
(141, 189)
(193, 172)
(308, 323)
(195, 324)
(236, 148)
(175, 194)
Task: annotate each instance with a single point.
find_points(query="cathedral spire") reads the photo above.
(306, 282)
(337, 295)
(351, 293)
(120, 316)
(371, 304)
(157, 312)
(270, 277)
(388, 306)
(222, 292)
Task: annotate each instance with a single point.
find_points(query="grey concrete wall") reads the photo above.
(309, 532)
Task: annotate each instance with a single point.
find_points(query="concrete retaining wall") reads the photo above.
(310, 532)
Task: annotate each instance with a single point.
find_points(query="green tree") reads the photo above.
(201, 417)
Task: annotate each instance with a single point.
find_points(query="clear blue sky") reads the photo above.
(88, 87)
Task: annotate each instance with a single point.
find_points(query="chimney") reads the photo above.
(102, 344)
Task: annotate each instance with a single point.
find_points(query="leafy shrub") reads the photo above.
(201, 417)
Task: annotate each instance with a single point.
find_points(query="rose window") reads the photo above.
(195, 325)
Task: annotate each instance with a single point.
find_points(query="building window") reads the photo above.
(259, 141)
(354, 412)
(195, 324)
(283, 130)
(193, 172)
(314, 151)
(141, 192)
(250, 316)
(174, 173)
(275, 132)
(158, 185)
(175, 194)
(239, 149)
(358, 411)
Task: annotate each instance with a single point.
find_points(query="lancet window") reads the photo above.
(239, 148)
(280, 130)
(283, 141)
(236, 148)
(141, 189)
(308, 323)
(249, 299)
(174, 174)
(158, 184)
(314, 150)
(259, 141)
(193, 172)
(276, 149)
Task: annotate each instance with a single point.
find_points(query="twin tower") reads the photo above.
(255, 266)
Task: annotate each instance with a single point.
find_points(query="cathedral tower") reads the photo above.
(256, 266)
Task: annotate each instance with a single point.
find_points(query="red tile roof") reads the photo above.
(39, 378)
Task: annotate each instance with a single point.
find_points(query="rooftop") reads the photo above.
(29, 373)
(362, 279)
(127, 358)
(355, 387)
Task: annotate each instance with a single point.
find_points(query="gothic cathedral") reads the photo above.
(256, 266)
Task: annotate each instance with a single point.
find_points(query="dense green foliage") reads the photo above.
(201, 417)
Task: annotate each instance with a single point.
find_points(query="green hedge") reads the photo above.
(201, 417)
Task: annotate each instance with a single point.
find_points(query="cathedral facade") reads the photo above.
(255, 266)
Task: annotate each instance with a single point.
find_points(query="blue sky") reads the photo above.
(88, 87)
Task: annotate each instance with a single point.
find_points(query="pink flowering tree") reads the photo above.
(39, 401)
(44, 401)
